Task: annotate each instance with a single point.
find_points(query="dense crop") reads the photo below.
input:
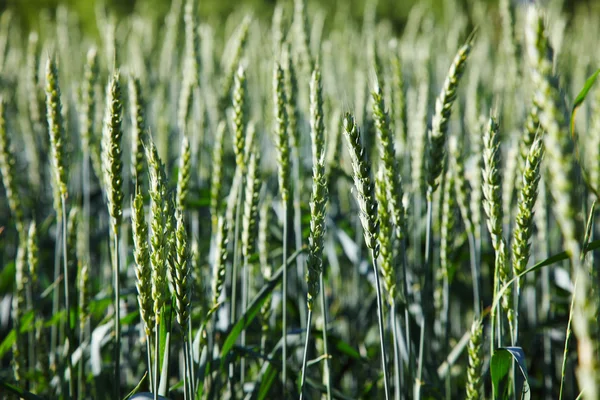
(304, 208)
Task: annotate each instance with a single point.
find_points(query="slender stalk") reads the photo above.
(70, 335)
(284, 296)
(381, 324)
(325, 344)
(117, 283)
(156, 359)
(393, 318)
(304, 357)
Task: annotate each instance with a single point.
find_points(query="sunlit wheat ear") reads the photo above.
(387, 154)
(138, 130)
(250, 210)
(112, 164)
(398, 98)
(281, 133)
(302, 32)
(240, 116)
(365, 189)
(523, 229)
(180, 272)
(238, 44)
(291, 92)
(88, 103)
(9, 174)
(386, 236)
(217, 174)
(159, 244)
(492, 204)
(319, 196)
(219, 262)
(143, 270)
(56, 127)
(491, 182)
(474, 370)
(439, 125)
(184, 174)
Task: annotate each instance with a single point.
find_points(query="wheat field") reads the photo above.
(308, 206)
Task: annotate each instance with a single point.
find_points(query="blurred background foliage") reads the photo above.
(33, 12)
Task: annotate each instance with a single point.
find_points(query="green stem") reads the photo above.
(427, 296)
(156, 359)
(284, 285)
(117, 290)
(236, 259)
(70, 336)
(474, 274)
(393, 318)
(304, 357)
(325, 345)
(381, 325)
(563, 368)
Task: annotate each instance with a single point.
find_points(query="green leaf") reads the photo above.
(21, 393)
(266, 382)
(254, 308)
(549, 261)
(7, 343)
(138, 386)
(581, 97)
(500, 368)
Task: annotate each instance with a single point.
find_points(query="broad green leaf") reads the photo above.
(266, 382)
(21, 393)
(500, 368)
(253, 309)
(7, 343)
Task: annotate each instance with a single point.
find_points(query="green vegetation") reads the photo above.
(299, 200)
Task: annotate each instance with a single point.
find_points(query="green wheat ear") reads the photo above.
(365, 188)
(56, 127)
(439, 124)
(112, 163)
